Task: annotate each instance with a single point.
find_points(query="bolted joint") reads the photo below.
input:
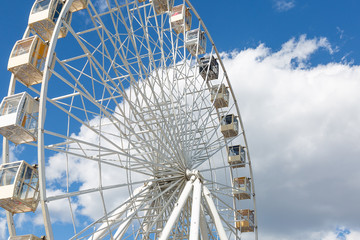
(193, 174)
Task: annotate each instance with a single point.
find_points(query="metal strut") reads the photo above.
(177, 209)
(103, 229)
(198, 221)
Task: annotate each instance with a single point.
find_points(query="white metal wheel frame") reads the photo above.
(129, 83)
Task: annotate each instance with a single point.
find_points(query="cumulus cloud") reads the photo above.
(284, 5)
(294, 53)
(301, 124)
(302, 128)
(353, 235)
(3, 226)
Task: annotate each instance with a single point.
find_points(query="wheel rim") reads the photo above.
(133, 101)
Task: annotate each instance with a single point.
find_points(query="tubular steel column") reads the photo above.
(177, 209)
(195, 211)
(214, 214)
(134, 205)
(203, 226)
(42, 112)
(9, 216)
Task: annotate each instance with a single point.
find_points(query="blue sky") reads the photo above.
(241, 24)
(296, 63)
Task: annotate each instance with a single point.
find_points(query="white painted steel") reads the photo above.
(134, 206)
(214, 214)
(195, 211)
(5, 154)
(135, 87)
(103, 229)
(177, 210)
(41, 121)
(203, 226)
(240, 120)
(9, 216)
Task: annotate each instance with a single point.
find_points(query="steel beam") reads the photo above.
(195, 211)
(214, 214)
(177, 209)
(203, 227)
(103, 229)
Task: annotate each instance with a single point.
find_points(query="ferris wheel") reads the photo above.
(137, 132)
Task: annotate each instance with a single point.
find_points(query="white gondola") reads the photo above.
(19, 187)
(237, 156)
(26, 237)
(179, 15)
(19, 118)
(78, 5)
(209, 69)
(162, 6)
(27, 60)
(195, 42)
(242, 188)
(229, 126)
(245, 222)
(43, 17)
(220, 96)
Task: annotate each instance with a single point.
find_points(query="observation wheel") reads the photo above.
(137, 132)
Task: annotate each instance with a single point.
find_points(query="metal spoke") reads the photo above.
(128, 114)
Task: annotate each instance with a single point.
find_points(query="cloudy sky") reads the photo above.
(295, 68)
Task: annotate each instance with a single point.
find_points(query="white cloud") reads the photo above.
(302, 128)
(301, 124)
(59, 210)
(3, 226)
(340, 32)
(295, 53)
(284, 5)
(101, 5)
(331, 235)
(353, 235)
